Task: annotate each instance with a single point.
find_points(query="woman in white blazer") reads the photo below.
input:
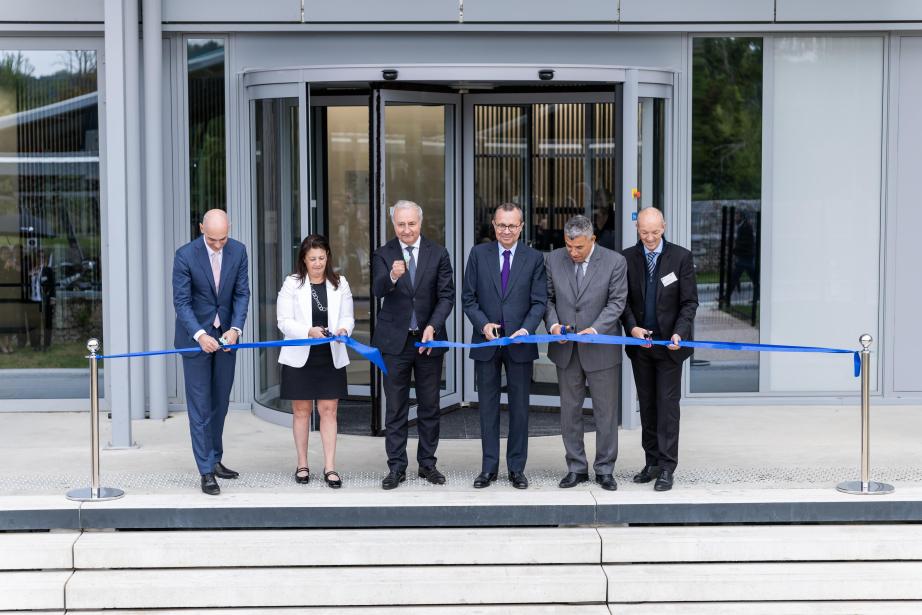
(315, 302)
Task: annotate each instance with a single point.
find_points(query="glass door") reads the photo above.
(415, 154)
(554, 155)
(276, 186)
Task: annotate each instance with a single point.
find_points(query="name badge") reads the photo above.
(668, 279)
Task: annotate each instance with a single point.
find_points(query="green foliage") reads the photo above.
(727, 118)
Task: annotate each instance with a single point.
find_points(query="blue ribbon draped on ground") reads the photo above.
(633, 341)
(369, 352)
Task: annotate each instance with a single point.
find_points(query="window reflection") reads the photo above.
(726, 208)
(207, 159)
(50, 278)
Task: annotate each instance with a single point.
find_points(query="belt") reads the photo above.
(414, 332)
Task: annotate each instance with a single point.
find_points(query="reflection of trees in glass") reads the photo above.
(727, 118)
(207, 144)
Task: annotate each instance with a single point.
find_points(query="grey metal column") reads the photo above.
(115, 237)
(136, 277)
(630, 416)
(153, 202)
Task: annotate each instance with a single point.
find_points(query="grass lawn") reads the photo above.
(71, 354)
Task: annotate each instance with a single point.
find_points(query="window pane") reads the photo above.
(825, 224)
(276, 184)
(50, 278)
(207, 183)
(726, 208)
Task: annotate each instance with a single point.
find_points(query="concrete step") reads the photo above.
(33, 590)
(771, 608)
(761, 543)
(354, 586)
(505, 609)
(281, 548)
(37, 550)
(765, 581)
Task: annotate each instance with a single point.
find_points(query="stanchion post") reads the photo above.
(865, 486)
(94, 493)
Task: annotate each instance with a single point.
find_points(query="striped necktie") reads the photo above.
(651, 263)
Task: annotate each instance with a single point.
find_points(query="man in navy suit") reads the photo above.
(211, 294)
(412, 277)
(505, 293)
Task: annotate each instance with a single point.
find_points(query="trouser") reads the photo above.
(518, 387)
(658, 378)
(209, 378)
(604, 388)
(427, 374)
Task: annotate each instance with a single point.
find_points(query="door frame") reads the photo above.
(381, 96)
(470, 101)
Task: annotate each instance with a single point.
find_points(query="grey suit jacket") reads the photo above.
(598, 304)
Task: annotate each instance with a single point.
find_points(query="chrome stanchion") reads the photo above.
(94, 493)
(865, 486)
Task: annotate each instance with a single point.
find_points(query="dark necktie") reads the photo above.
(411, 268)
(651, 263)
(580, 274)
(504, 273)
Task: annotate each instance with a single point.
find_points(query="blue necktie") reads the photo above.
(651, 263)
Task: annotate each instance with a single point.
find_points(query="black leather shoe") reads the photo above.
(484, 479)
(518, 480)
(664, 482)
(647, 474)
(432, 475)
(222, 471)
(393, 480)
(210, 485)
(572, 479)
(607, 482)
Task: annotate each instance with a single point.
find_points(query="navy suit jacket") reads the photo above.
(194, 296)
(521, 307)
(432, 296)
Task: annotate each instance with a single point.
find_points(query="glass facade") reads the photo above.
(726, 208)
(50, 268)
(207, 141)
(276, 187)
(555, 160)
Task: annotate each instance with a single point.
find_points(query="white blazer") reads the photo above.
(294, 311)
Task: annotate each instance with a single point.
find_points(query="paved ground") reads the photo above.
(772, 447)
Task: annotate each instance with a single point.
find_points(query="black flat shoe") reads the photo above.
(210, 485)
(303, 476)
(393, 480)
(518, 480)
(572, 479)
(607, 482)
(332, 483)
(484, 479)
(222, 471)
(647, 474)
(664, 482)
(432, 475)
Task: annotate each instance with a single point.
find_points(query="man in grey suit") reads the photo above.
(587, 291)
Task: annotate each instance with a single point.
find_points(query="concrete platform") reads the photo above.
(770, 464)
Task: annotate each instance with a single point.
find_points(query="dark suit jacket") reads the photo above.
(676, 304)
(432, 296)
(194, 296)
(521, 307)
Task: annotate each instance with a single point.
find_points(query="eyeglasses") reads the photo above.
(507, 227)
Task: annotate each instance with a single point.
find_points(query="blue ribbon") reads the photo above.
(591, 338)
(369, 352)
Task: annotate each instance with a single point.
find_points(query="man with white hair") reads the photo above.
(661, 304)
(413, 278)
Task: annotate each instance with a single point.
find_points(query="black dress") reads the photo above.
(318, 378)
